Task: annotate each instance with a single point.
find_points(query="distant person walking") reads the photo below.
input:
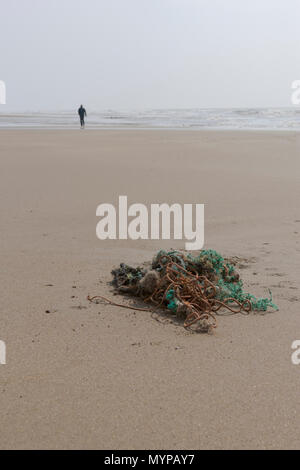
(82, 114)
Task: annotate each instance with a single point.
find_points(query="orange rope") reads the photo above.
(110, 302)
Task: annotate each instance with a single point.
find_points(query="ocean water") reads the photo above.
(231, 119)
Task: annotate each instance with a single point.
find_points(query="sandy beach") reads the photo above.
(96, 376)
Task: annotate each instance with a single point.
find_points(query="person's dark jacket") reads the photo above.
(81, 112)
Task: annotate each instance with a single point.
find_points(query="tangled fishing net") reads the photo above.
(194, 288)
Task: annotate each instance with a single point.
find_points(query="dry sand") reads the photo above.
(95, 376)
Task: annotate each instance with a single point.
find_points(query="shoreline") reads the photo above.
(214, 119)
(137, 129)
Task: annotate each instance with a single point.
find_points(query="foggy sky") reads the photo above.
(129, 54)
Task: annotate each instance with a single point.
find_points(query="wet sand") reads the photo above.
(95, 376)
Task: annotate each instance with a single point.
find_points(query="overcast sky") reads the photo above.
(129, 54)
